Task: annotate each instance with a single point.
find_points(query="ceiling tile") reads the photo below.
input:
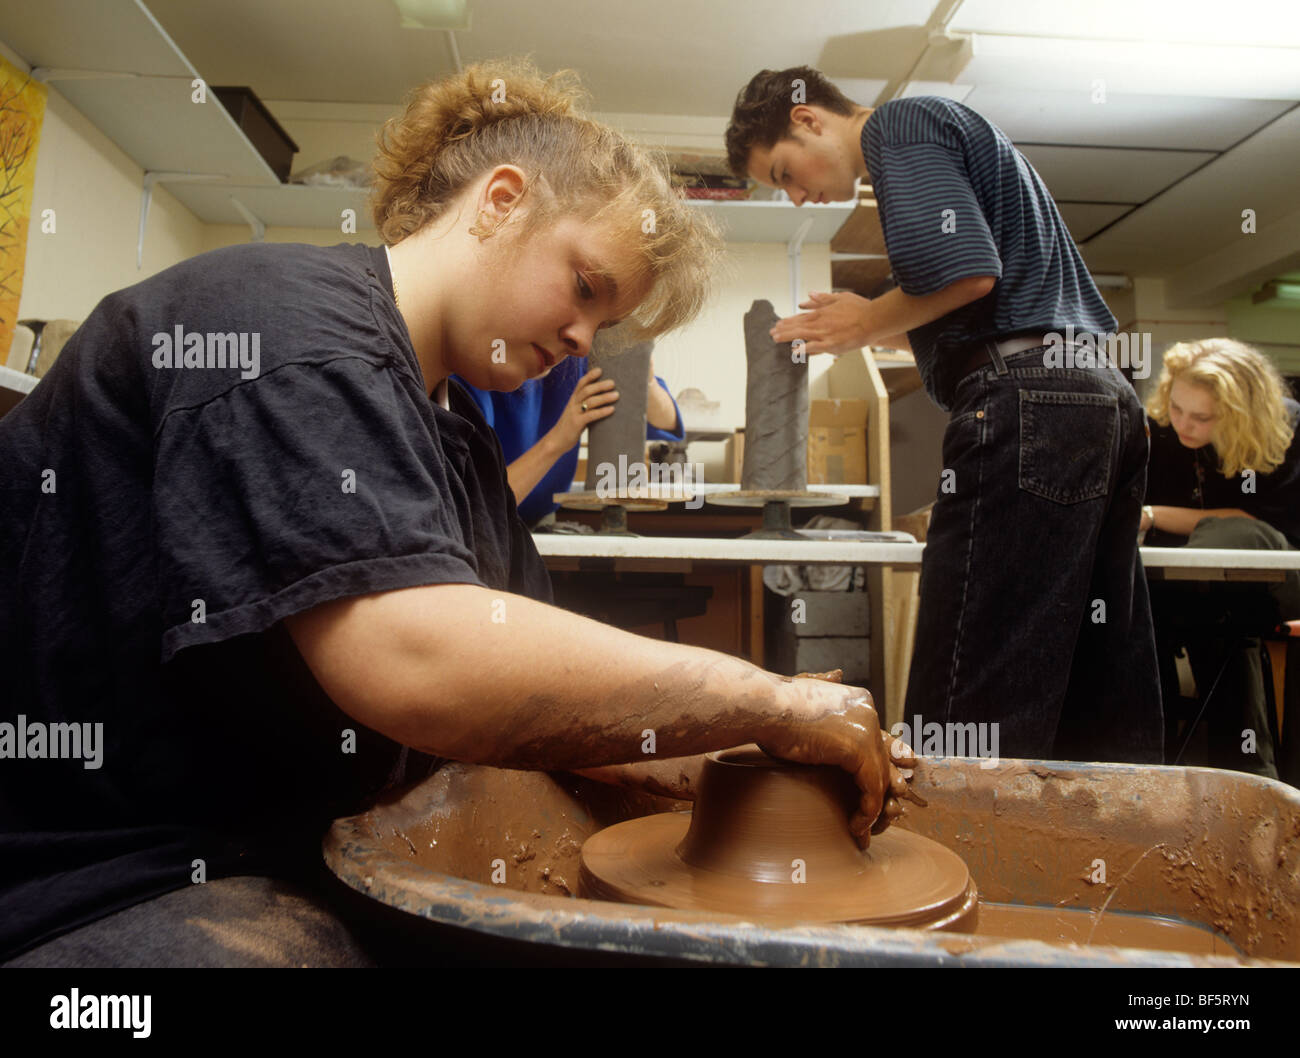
(1123, 120)
(1100, 174)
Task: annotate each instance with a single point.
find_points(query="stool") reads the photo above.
(1277, 645)
(1272, 696)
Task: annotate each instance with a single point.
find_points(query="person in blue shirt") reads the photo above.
(540, 423)
(1034, 612)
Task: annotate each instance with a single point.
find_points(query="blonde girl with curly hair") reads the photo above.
(1224, 472)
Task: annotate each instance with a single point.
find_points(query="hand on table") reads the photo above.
(837, 323)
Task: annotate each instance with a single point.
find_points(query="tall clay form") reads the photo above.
(776, 408)
(623, 433)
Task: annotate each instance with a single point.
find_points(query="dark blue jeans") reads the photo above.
(1034, 612)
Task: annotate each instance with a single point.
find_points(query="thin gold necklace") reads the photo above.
(392, 275)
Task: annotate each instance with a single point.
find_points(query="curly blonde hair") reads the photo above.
(1253, 430)
(504, 112)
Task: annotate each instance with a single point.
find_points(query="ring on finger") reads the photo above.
(584, 405)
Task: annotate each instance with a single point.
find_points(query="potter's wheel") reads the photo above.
(615, 504)
(776, 504)
(770, 839)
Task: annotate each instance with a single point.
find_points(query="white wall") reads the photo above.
(94, 190)
(1152, 314)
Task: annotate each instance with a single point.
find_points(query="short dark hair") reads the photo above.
(762, 113)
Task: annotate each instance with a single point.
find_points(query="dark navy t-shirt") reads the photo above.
(157, 523)
(956, 200)
(523, 416)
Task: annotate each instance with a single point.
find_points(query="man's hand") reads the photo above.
(837, 324)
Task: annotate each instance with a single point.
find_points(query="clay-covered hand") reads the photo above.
(591, 400)
(833, 676)
(902, 760)
(837, 323)
(829, 723)
(901, 756)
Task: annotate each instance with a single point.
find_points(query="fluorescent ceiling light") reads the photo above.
(434, 14)
(1132, 67)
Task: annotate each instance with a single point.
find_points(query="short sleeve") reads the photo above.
(1278, 501)
(313, 482)
(935, 231)
(678, 432)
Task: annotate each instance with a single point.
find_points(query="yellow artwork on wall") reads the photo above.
(22, 110)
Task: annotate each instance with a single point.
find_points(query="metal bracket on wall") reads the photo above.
(146, 196)
(793, 250)
(254, 222)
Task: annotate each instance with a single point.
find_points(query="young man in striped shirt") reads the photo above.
(1034, 609)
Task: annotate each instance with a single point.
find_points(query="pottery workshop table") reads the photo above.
(674, 552)
(891, 650)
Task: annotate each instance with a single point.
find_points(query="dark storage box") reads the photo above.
(262, 130)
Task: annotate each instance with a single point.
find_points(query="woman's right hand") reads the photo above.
(829, 723)
(592, 400)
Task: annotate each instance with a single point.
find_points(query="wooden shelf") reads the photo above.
(861, 232)
(296, 206)
(863, 277)
(282, 206)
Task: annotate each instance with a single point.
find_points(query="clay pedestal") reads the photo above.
(776, 409)
(623, 433)
(770, 839)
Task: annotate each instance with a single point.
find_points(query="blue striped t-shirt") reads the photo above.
(956, 199)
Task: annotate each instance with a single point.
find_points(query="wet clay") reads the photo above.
(770, 839)
(1211, 850)
(1195, 844)
(1062, 925)
(623, 433)
(776, 408)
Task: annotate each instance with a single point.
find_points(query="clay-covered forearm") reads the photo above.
(675, 777)
(465, 672)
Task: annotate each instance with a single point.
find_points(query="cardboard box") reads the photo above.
(837, 442)
(845, 414)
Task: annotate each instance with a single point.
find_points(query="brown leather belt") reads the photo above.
(1008, 349)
